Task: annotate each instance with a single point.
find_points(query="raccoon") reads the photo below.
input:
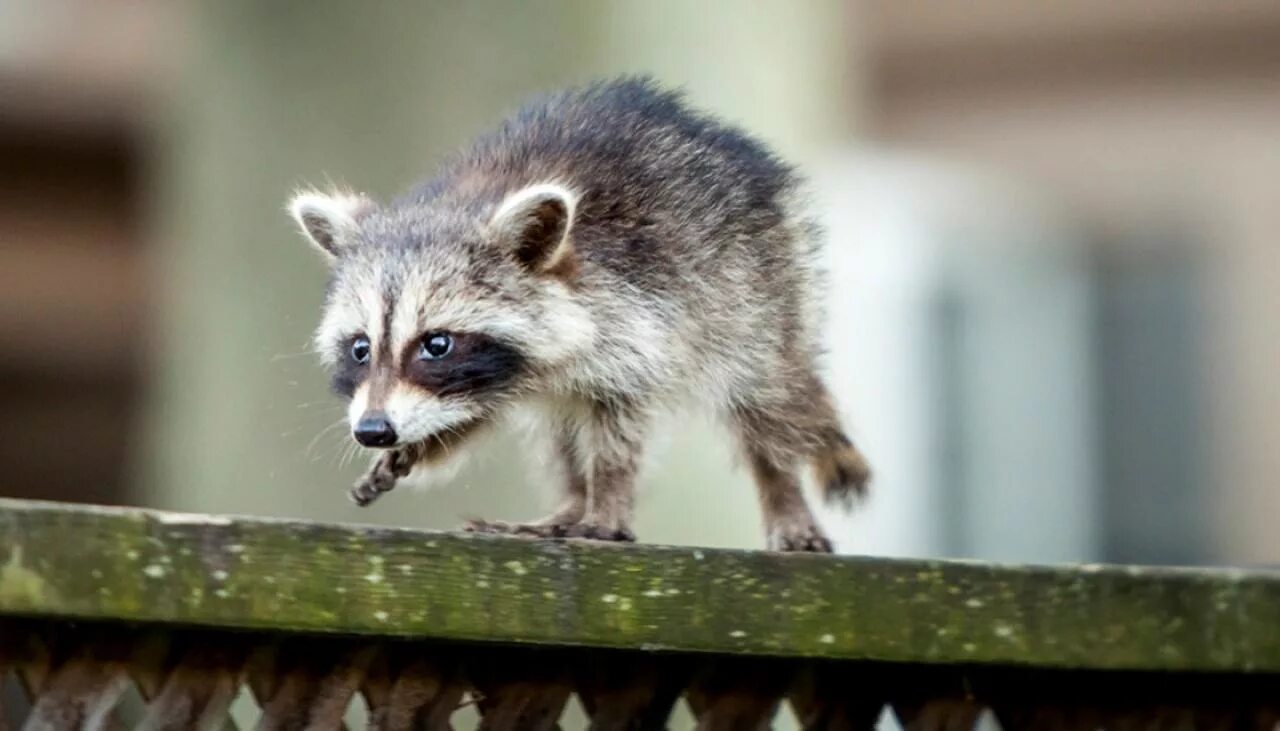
(605, 253)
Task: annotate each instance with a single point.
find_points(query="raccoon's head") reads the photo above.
(437, 315)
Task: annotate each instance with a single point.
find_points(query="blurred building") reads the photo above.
(1151, 127)
(78, 85)
(1058, 219)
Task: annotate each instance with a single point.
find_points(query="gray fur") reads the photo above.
(670, 261)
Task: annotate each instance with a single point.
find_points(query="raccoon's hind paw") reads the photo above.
(799, 538)
(842, 473)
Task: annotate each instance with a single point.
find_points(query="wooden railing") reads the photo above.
(113, 618)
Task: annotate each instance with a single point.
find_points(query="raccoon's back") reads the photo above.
(660, 182)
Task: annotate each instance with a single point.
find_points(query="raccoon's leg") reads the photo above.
(776, 439)
(611, 442)
(789, 525)
(573, 499)
(573, 504)
(391, 465)
(842, 473)
(795, 425)
(601, 455)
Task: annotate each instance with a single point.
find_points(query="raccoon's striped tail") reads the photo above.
(841, 471)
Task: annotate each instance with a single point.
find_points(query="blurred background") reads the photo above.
(1055, 308)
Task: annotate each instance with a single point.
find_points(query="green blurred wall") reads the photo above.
(272, 95)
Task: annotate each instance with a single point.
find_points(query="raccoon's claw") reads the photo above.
(599, 533)
(499, 527)
(800, 539)
(540, 530)
(479, 525)
(365, 492)
(549, 530)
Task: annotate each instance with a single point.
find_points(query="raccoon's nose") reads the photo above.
(373, 430)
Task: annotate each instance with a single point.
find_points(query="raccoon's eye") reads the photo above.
(360, 350)
(435, 346)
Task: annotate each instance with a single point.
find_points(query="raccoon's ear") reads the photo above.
(534, 224)
(326, 218)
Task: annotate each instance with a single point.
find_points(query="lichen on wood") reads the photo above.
(213, 571)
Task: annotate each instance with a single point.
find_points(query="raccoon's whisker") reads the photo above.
(349, 452)
(344, 455)
(321, 434)
(357, 451)
(286, 356)
(336, 452)
(444, 445)
(455, 430)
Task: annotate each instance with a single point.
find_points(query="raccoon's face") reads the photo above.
(437, 317)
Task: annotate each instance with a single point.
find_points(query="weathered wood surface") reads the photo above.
(60, 561)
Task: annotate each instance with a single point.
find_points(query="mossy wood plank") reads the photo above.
(98, 563)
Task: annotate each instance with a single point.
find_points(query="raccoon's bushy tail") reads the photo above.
(841, 471)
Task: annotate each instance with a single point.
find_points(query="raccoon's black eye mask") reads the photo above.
(444, 363)
(353, 364)
(451, 364)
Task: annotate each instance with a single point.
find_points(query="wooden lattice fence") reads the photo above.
(113, 618)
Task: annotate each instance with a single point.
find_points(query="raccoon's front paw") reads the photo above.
(366, 491)
(527, 530)
(803, 538)
(549, 530)
(494, 527)
(380, 478)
